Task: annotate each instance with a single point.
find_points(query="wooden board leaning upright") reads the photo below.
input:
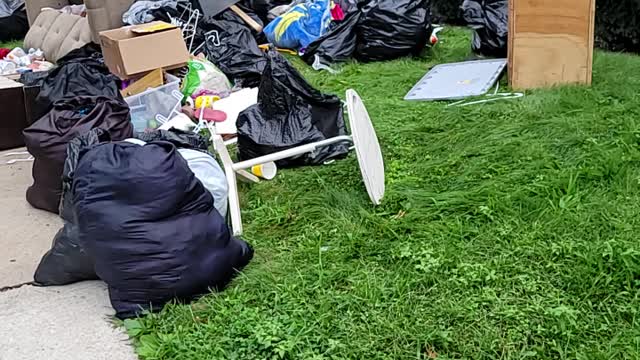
(550, 42)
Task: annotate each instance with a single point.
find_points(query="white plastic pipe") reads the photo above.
(284, 154)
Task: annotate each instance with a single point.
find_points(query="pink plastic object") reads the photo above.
(212, 115)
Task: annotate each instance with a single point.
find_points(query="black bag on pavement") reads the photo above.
(67, 261)
(47, 140)
(389, 29)
(489, 20)
(289, 113)
(151, 227)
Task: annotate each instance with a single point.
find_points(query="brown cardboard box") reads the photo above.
(132, 50)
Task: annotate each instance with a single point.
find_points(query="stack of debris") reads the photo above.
(121, 131)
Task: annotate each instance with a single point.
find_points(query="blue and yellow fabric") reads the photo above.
(301, 25)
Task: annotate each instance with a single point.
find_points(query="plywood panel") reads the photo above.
(550, 42)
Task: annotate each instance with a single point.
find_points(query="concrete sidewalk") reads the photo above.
(67, 323)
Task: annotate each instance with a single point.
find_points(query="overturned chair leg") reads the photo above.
(234, 200)
(363, 138)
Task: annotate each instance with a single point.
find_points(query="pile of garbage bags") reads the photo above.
(151, 246)
(145, 217)
(379, 30)
(144, 212)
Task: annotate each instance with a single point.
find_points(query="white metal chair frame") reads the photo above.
(364, 139)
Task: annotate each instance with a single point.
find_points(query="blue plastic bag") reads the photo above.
(301, 25)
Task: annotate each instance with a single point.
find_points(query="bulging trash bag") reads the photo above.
(301, 25)
(335, 46)
(194, 149)
(47, 140)
(82, 72)
(389, 29)
(489, 20)
(289, 113)
(233, 49)
(151, 227)
(67, 261)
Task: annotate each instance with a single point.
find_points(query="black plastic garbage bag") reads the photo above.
(67, 261)
(349, 6)
(289, 113)
(490, 21)
(262, 7)
(389, 29)
(14, 26)
(234, 50)
(151, 227)
(47, 140)
(80, 73)
(181, 139)
(337, 45)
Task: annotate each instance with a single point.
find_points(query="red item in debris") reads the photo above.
(4, 52)
(336, 13)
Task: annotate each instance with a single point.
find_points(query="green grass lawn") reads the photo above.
(508, 231)
(11, 44)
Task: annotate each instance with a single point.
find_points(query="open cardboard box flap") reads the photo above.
(133, 50)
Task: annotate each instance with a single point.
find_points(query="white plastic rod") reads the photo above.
(284, 154)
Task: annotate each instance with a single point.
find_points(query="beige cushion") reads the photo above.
(57, 34)
(34, 7)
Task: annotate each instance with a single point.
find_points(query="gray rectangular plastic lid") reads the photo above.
(457, 81)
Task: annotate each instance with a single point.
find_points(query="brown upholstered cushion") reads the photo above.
(57, 34)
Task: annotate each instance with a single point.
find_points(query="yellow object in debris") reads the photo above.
(154, 27)
(265, 47)
(206, 101)
(285, 21)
